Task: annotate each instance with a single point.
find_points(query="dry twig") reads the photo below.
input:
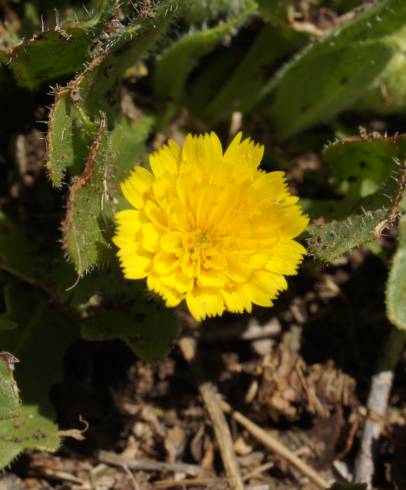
(377, 404)
(209, 395)
(195, 482)
(276, 446)
(142, 465)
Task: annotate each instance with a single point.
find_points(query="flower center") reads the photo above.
(199, 249)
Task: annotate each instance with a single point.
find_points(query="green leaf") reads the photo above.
(74, 115)
(63, 51)
(330, 76)
(387, 95)
(88, 116)
(94, 197)
(68, 139)
(176, 62)
(330, 241)
(29, 430)
(365, 166)
(9, 398)
(7, 324)
(39, 342)
(366, 171)
(125, 312)
(148, 329)
(98, 88)
(198, 11)
(244, 85)
(274, 10)
(396, 285)
(43, 334)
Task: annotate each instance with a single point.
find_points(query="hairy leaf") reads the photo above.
(9, 398)
(69, 138)
(329, 76)
(29, 430)
(59, 52)
(364, 167)
(330, 241)
(199, 11)
(368, 173)
(185, 53)
(396, 285)
(244, 85)
(94, 197)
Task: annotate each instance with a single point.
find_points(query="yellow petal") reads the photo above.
(271, 186)
(165, 160)
(178, 281)
(150, 237)
(294, 222)
(237, 270)
(165, 263)
(205, 149)
(172, 241)
(285, 257)
(136, 266)
(244, 152)
(171, 296)
(136, 186)
(203, 302)
(154, 213)
(236, 299)
(264, 286)
(211, 278)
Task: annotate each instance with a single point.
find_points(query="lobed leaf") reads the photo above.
(98, 88)
(56, 53)
(29, 430)
(94, 197)
(366, 171)
(73, 117)
(99, 140)
(330, 241)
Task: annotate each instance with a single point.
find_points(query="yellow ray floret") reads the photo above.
(209, 228)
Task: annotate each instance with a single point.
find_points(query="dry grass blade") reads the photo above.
(276, 446)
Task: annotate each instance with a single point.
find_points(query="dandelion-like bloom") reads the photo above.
(209, 227)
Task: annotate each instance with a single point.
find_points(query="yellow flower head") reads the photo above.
(209, 227)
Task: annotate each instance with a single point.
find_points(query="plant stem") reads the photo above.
(378, 398)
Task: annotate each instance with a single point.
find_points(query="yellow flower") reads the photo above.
(209, 227)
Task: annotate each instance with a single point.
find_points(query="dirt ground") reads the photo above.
(299, 371)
